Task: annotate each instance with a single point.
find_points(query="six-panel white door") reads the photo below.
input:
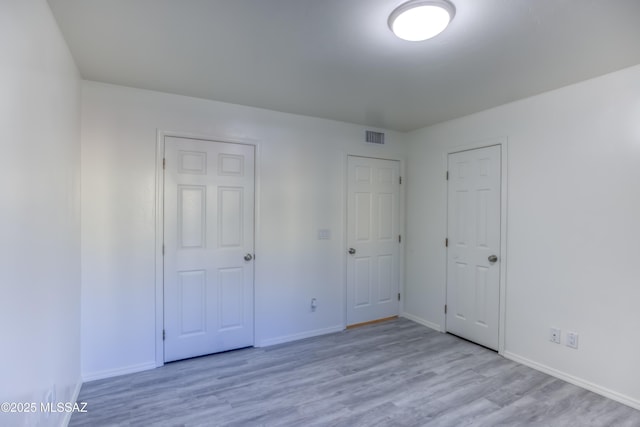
(208, 243)
(473, 270)
(373, 274)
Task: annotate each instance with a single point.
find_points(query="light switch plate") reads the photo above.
(324, 234)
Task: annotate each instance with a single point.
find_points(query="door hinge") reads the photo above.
(164, 163)
(445, 309)
(164, 335)
(447, 175)
(398, 296)
(399, 238)
(400, 180)
(446, 242)
(163, 249)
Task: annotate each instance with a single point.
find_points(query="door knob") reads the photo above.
(352, 251)
(248, 257)
(493, 258)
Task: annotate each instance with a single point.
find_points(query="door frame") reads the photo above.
(504, 149)
(401, 228)
(159, 225)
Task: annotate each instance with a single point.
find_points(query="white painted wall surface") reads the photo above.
(40, 212)
(573, 227)
(301, 182)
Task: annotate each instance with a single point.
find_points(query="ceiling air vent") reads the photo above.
(375, 137)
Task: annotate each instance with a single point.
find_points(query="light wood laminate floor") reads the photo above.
(396, 373)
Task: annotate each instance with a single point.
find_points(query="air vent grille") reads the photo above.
(374, 137)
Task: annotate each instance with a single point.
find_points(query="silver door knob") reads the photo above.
(352, 251)
(493, 258)
(248, 257)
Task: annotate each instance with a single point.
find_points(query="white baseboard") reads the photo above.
(300, 336)
(74, 399)
(422, 321)
(613, 395)
(109, 373)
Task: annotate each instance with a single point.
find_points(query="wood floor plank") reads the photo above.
(396, 373)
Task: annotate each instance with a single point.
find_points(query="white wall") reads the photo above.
(573, 227)
(40, 212)
(301, 179)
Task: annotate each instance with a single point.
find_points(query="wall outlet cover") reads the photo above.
(572, 340)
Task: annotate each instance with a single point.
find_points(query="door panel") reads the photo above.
(191, 216)
(385, 278)
(363, 215)
(208, 229)
(362, 267)
(231, 298)
(372, 228)
(230, 226)
(192, 297)
(473, 282)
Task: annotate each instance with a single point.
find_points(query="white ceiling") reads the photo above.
(337, 59)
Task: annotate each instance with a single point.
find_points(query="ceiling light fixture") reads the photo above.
(418, 20)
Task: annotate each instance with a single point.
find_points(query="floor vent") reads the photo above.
(375, 137)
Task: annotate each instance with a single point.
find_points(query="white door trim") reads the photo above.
(504, 145)
(159, 225)
(401, 227)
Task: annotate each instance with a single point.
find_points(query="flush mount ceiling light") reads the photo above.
(418, 20)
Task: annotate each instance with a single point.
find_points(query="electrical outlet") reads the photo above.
(314, 304)
(572, 339)
(554, 335)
